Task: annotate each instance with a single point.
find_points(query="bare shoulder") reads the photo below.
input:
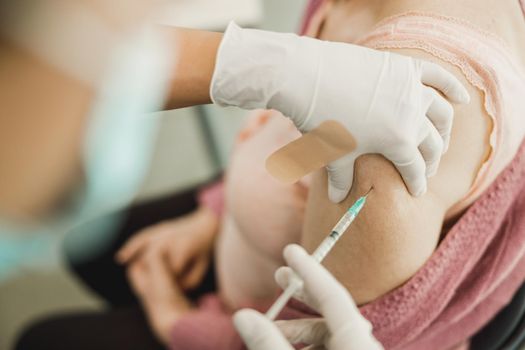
(397, 233)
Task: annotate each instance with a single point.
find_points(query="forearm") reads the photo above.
(194, 63)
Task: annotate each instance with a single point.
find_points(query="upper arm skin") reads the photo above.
(396, 233)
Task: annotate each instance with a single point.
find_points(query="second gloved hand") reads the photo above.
(383, 99)
(341, 326)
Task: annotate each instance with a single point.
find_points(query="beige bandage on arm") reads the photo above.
(314, 150)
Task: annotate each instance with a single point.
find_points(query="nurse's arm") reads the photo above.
(194, 63)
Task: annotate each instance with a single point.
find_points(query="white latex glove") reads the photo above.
(383, 99)
(342, 328)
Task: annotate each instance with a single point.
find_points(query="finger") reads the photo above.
(258, 332)
(283, 276)
(136, 277)
(340, 177)
(411, 165)
(160, 277)
(133, 247)
(195, 274)
(431, 149)
(165, 292)
(441, 114)
(178, 259)
(306, 331)
(331, 298)
(436, 76)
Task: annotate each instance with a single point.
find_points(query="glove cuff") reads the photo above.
(259, 69)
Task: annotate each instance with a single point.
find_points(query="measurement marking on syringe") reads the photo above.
(319, 254)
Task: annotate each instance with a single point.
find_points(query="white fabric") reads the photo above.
(383, 99)
(342, 328)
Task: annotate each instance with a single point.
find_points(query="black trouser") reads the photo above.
(123, 324)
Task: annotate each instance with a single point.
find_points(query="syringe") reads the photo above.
(319, 254)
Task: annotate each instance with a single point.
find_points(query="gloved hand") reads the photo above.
(383, 99)
(342, 328)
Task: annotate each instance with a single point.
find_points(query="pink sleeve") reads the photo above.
(208, 327)
(212, 197)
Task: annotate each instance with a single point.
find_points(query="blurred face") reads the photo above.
(42, 122)
(43, 109)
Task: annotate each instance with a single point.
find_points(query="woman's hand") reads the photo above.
(166, 259)
(162, 299)
(341, 328)
(186, 244)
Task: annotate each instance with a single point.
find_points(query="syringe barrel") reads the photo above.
(319, 254)
(327, 244)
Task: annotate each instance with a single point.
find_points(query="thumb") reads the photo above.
(340, 177)
(258, 332)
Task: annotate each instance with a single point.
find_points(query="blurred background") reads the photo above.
(193, 147)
